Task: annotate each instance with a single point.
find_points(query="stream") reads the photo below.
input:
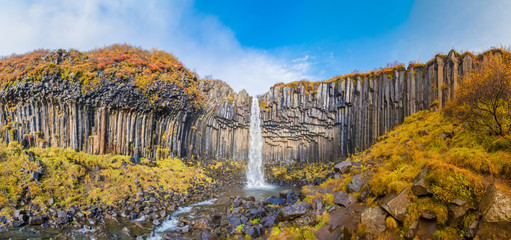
(113, 230)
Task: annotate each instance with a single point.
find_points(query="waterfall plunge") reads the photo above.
(255, 171)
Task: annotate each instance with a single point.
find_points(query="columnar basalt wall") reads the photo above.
(302, 121)
(327, 121)
(220, 131)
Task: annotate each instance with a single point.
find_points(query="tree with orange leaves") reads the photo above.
(483, 98)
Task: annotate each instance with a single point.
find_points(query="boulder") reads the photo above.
(496, 211)
(355, 185)
(396, 206)
(284, 193)
(420, 187)
(496, 205)
(62, 217)
(235, 221)
(293, 211)
(343, 167)
(344, 199)
(253, 231)
(35, 220)
(35, 175)
(374, 219)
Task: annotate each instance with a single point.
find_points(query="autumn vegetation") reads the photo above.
(79, 179)
(120, 63)
(483, 99)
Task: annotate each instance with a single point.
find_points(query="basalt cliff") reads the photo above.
(125, 100)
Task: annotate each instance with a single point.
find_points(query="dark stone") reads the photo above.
(284, 193)
(472, 229)
(20, 215)
(35, 175)
(397, 206)
(152, 200)
(420, 187)
(62, 217)
(18, 223)
(355, 185)
(35, 220)
(344, 199)
(293, 211)
(374, 219)
(412, 230)
(268, 221)
(235, 221)
(252, 231)
(275, 200)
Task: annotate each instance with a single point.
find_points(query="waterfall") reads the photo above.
(255, 170)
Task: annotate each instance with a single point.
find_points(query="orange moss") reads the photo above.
(120, 62)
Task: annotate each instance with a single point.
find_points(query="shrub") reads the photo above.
(483, 98)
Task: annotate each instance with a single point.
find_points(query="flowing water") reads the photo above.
(255, 170)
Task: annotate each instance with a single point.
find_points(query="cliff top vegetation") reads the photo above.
(388, 70)
(120, 63)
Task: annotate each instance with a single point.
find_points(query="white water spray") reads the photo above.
(255, 171)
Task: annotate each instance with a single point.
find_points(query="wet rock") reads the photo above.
(344, 199)
(152, 200)
(51, 201)
(293, 211)
(156, 222)
(397, 206)
(35, 220)
(355, 185)
(275, 200)
(374, 219)
(343, 167)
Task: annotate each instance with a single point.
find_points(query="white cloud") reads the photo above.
(200, 41)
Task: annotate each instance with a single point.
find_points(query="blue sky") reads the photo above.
(254, 44)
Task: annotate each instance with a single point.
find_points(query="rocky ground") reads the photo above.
(418, 181)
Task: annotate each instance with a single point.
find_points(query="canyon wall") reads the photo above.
(302, 121)
(34, 115)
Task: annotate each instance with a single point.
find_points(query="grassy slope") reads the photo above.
(461, 163)
(77, 178)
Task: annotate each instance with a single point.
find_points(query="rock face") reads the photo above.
(219, 131)
(329, 120)
(496, 205)
(301, 121)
